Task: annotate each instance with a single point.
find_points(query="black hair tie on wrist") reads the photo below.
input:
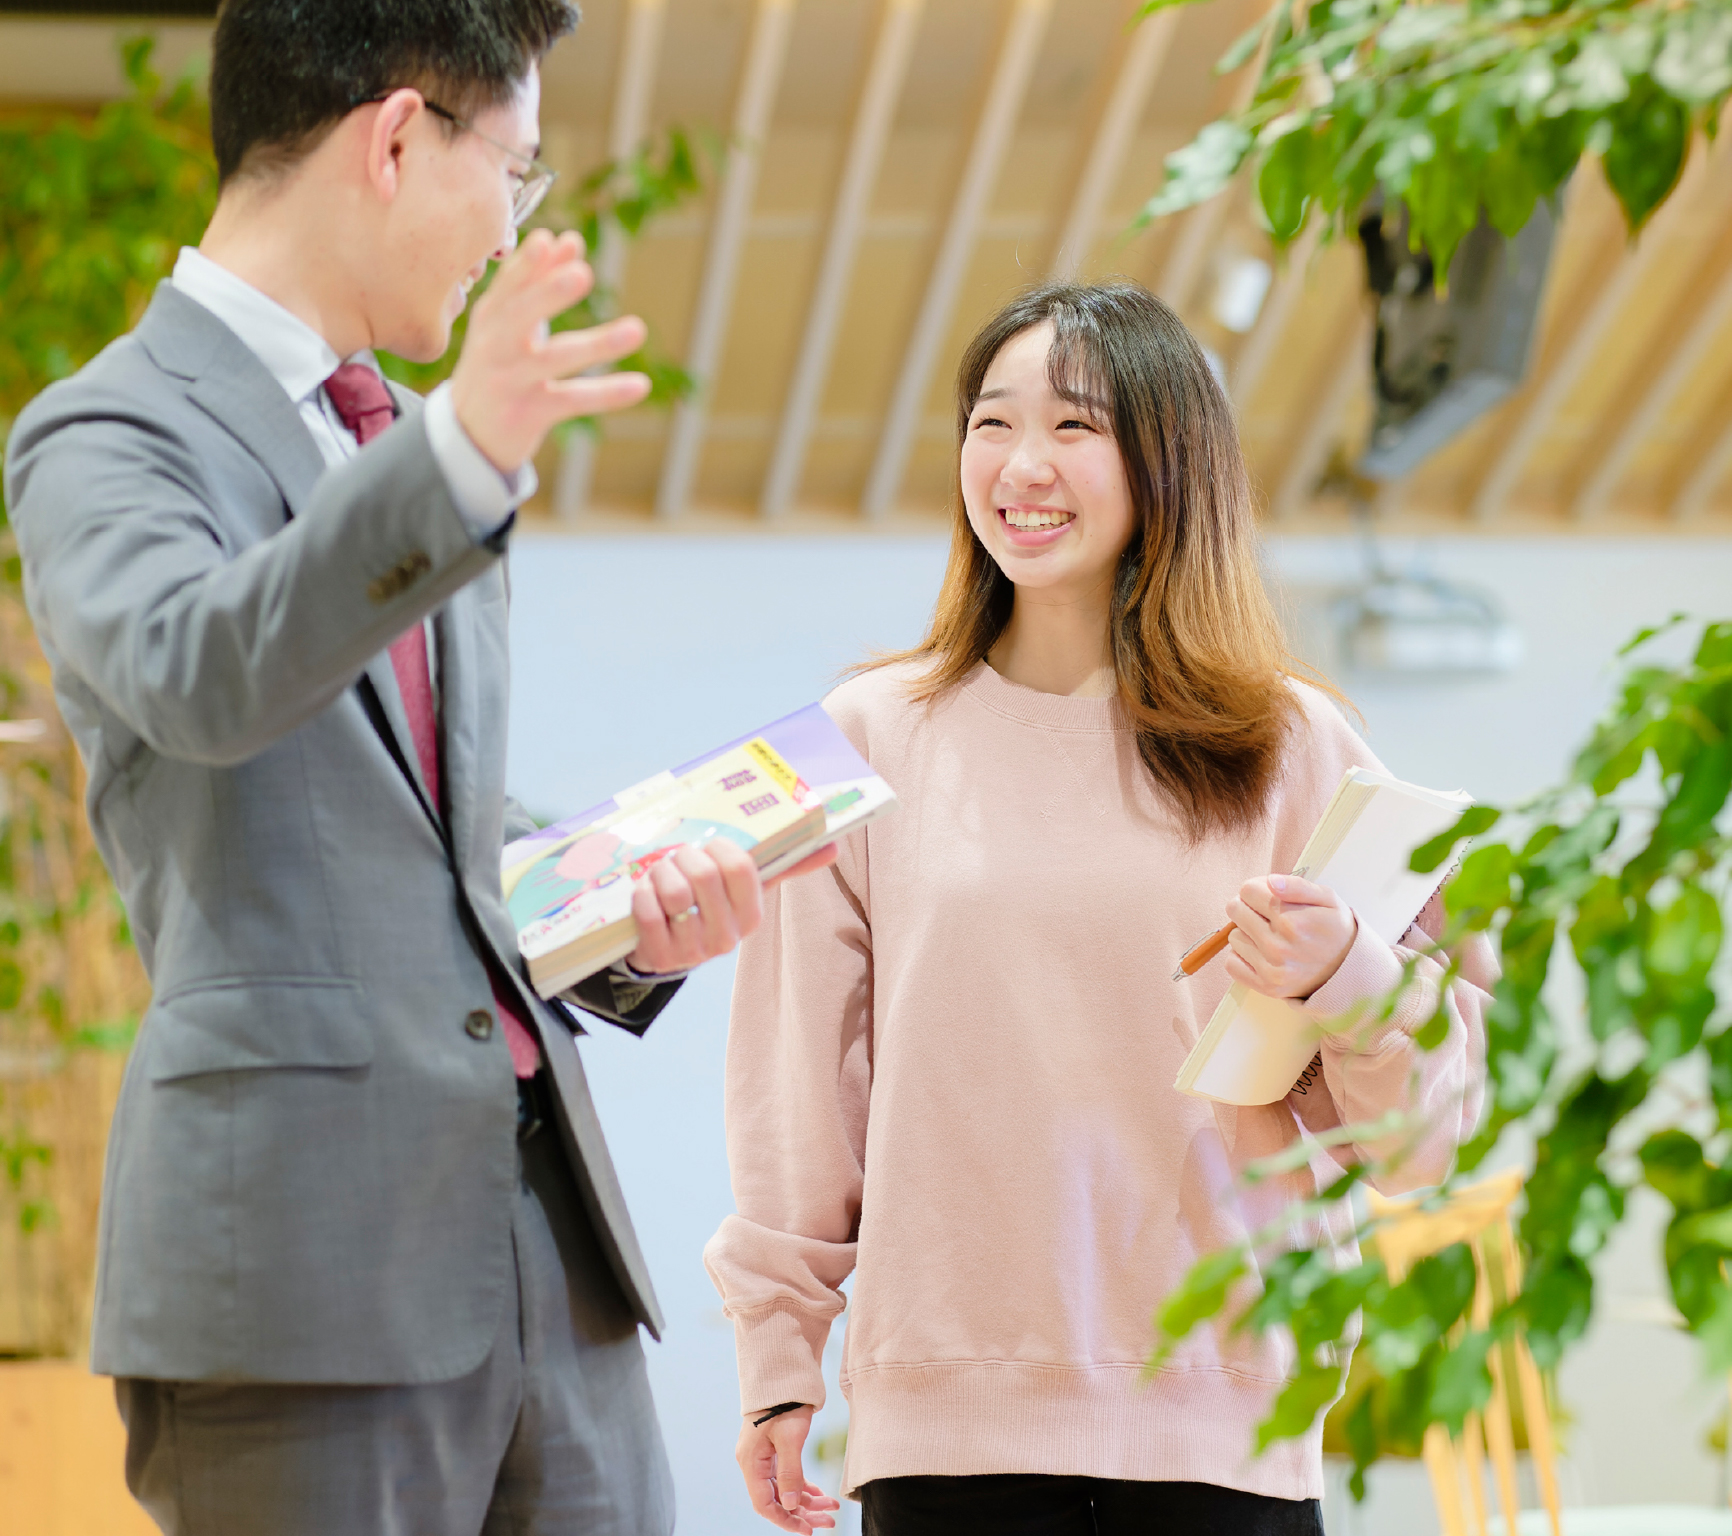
(776, 1413)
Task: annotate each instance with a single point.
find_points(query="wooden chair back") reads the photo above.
(1479, 1216)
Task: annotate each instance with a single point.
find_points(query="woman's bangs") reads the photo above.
(1076, 366)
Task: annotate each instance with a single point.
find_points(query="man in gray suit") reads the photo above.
(350, 1278)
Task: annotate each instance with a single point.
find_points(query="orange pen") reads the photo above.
(1200, 955)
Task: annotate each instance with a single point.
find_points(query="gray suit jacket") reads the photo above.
(312, 1163)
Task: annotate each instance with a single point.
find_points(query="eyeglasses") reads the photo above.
(532, 182)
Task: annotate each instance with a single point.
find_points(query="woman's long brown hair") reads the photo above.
(1202, 665)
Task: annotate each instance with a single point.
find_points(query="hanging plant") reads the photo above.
(1454, 108)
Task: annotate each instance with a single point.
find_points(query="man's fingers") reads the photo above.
(740, 883)
(546, 279)
(596, 396)
(535, 253)
(571, 352)
(715, 917)
(654, 943)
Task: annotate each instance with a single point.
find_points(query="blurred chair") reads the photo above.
(1479, 1216)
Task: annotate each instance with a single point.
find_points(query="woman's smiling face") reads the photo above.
(1042, 477)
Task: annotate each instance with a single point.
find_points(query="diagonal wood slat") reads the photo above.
(872, 122)
(1707, 333)
(1016, 61)
(765, 56)
(626, 132)
(1151, 41)
(1585, 336)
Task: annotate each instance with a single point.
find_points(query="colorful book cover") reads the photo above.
(581, 881)
(607, 847)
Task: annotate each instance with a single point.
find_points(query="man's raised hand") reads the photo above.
(516, 380)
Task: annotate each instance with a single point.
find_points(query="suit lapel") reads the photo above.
(453, 635)
(231, 386)
(383, 677)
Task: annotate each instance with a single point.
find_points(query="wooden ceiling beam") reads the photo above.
(766, 52)
(1317, 435)
(1151, 40)
(1707, 327)
(871, 131)
(1260, 346)
(627, 129)
(1584, 336)
(1696, 494)
(992, 135)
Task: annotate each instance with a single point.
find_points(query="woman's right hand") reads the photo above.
(769, 1458)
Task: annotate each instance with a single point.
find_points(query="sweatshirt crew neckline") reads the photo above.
(1045, 711)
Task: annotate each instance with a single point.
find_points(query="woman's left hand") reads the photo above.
(1289, 936)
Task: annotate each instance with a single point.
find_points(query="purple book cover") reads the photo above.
(809, 739)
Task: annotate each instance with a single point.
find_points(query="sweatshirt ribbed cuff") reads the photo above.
(780, 1349)
(1351, 997)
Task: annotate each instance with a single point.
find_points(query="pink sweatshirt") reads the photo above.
(950, 1073)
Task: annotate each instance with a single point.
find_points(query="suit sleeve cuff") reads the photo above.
(484, 498)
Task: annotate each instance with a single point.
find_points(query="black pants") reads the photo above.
(1026, 1504)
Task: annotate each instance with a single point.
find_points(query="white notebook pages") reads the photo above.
(1255, 1048)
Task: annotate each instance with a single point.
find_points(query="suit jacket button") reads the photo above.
(479, 1025)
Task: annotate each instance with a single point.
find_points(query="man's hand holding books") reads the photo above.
(699, 902)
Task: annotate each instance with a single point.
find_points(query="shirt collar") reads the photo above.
(294, 354)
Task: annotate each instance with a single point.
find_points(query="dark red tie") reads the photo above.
(361, 399)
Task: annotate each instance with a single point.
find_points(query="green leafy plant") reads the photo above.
(1621, 873)
(95, 208)
(1455, 108)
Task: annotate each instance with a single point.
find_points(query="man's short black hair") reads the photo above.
(285, 72)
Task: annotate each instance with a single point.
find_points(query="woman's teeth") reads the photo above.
(1018, 518)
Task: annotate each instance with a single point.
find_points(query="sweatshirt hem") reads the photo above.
(977, 1417)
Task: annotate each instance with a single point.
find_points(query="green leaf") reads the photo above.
(1245, 44)
(1301, 1400)
(1434, 1031)
(1475, 820)
(1483, 882)
(1201, 169)
(1462, 1384)
(1685, 936)
(1644, 635)
(1650, 135)
(1283, 186)
(1202, 1294)
(1673, 1164)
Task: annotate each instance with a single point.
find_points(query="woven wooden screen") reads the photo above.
(71, 993)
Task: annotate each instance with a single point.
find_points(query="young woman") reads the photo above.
(951, 1061)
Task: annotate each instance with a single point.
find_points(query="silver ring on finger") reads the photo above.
(680, 917)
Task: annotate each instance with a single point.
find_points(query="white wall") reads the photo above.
(634, 653)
